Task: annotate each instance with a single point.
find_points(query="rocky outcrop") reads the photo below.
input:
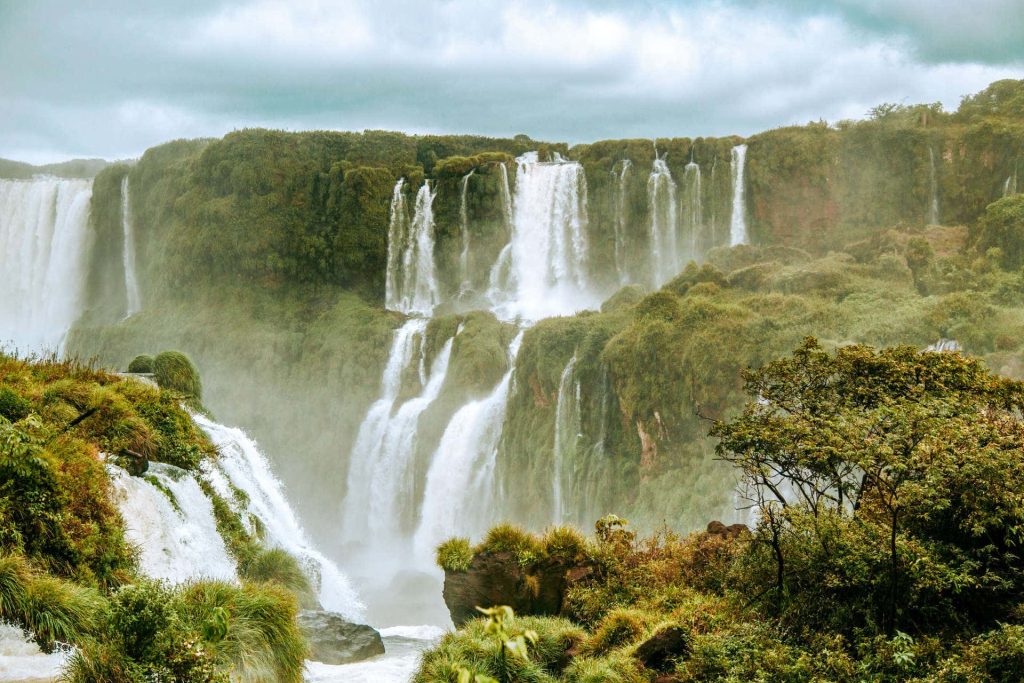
(498, 579)
(663, 647)
(730, 532)
(333, 640)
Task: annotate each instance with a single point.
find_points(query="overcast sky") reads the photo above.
(84, 78)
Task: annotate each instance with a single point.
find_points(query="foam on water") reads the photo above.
(177, 541)
(241, 463)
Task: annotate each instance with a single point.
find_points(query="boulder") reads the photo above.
(716, 528)
(498, 579)
(659, 652)
(333, 640)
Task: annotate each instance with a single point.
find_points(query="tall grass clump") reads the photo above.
(262, 643)
(455, 555)
(174, 371)
(142, 363)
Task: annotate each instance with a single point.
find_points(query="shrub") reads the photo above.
(277, 566)
(565, 542)
(174, 371)
(455, 555)
(513, 539)
(619, 627)
(263, 641)
(13, 407)
(1002, 227)
(143, 364)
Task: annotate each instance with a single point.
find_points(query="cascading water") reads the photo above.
(933, 189)
(621, 267)
(411, 286)
(738, 223)
(1010, 186)
(381, 483)
(241, 466)
(567, 432)
(44, 255)
(693, 212)
(661, 198)
(547, 253)
(398, 229)
(506, 196)
(177, 539)
(464, 280)
(131, 283)
(459, 491)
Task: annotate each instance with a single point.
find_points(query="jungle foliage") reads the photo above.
(887, 490)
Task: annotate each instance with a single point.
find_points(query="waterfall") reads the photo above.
(620, 224)
(241, 466)
(460, 496)
(177, 540)
(398, 228)
(44, 255)
(506, 196)
(464, 285)
(411, 286)
(381, 475)
(933, 188)
(694, 212)
(22, 660)
(131, 284)
(738, 225)
(567, 432)
(1010, 186)
(547, 256)
(661, 197)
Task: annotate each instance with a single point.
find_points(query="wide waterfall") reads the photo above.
(241, 466)
(131, 283)
(411, 285)
(460, 497)
(621, 223)
(44, 254)
(169, 518)
(933, 190)
(567, 433)
(661, 198)
(547, 253)
(693, 211)
(738, 224)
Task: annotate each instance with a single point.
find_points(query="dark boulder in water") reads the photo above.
(334, 640)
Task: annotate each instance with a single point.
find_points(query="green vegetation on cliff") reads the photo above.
(887, 491)
(69, 575)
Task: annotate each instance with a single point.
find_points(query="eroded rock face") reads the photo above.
(333, 640)
(497, 579)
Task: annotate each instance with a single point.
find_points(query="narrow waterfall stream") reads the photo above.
(567, 429)
(131, 282)
(738, 224)
(664, 233)
(693, 211)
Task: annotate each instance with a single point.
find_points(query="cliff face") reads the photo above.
(263, 256)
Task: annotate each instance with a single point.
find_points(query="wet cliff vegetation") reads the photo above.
(263, 256)
(886, 485)
(68, 574)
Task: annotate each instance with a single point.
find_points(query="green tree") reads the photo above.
(890, 483)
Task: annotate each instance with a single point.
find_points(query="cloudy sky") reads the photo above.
(110, 78)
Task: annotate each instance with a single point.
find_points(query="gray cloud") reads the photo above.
(113, 78)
